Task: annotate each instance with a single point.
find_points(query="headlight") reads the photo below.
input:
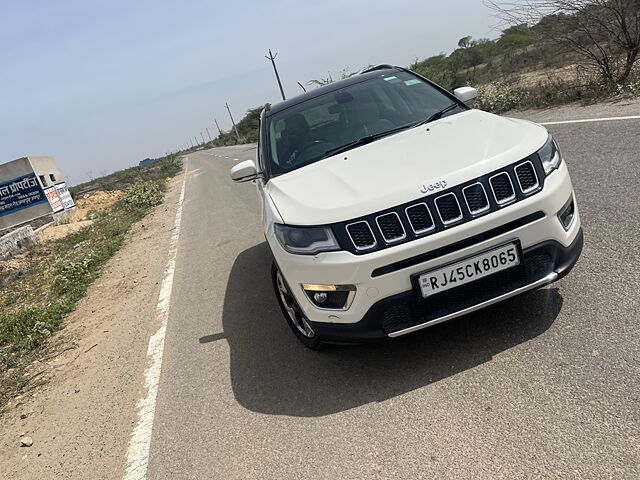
(306, 240)
(550, 155)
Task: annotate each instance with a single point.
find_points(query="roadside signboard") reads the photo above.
(54, 199)
(65, 196)
(20, 193)
(28, 190)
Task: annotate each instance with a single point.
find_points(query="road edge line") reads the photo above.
(587, 120)
(140, 441)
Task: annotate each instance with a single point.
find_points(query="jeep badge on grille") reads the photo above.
(426, 188)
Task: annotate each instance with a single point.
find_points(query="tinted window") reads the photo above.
(303, 133)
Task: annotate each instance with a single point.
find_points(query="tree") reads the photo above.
(604, 33)
(464, 42)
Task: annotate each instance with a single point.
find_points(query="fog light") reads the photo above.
(319, 297)
(330, 297)
(567, 214)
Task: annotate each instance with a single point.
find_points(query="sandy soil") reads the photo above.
(86, 205)
(59, 231)
(96, 201)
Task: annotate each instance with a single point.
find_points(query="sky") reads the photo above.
(101, 85)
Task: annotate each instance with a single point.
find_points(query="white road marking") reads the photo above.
(587, 120)
(236, 159)
(140, 442)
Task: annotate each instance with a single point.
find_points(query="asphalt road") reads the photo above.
(544, 386)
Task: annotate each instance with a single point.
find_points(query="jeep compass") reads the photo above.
(390, 206)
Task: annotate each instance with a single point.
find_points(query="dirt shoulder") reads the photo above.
(620, 107)
(82, 415)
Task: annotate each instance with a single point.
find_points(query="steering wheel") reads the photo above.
(308, 150)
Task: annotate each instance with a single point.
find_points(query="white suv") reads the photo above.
(390, 206)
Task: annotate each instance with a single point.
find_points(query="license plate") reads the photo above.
(469, 270)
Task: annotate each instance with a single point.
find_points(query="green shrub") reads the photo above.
(73, 275)
(497, 97)
(30, 327)
(630, 89)
(143, 195)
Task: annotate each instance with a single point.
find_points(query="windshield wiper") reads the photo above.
(364, 141)
(438, 115)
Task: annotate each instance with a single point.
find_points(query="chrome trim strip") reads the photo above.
(448, 222)
(486, 198)
(397, 239)
(493, 190)
(533, 169)
(375, 242)
(538, 283)
(424, 230)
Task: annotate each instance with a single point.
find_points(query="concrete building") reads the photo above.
(30, 188)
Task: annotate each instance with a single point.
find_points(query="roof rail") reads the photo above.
(383, 66)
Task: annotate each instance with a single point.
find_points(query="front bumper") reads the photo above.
(404, 313)
(383, 278)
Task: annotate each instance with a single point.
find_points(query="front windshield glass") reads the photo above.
(307, 132)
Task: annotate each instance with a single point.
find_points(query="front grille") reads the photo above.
(430, 214)
(527, 177)
(420, 218)
(476, 198)
(361, 235)
(502, 188)
(391, 227)
(448, 208)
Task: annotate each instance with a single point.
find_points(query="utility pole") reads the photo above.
(202, 137)
(232, 121)
(209, 135)
(196, 139)
(219, 131)
(272, 57)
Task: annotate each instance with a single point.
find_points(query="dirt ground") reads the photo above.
(81, 408)
(91, 203)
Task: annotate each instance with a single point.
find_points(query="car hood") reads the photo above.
(392, 170)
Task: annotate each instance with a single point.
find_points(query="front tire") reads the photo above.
(292, 312)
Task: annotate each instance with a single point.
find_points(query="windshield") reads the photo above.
(317, 128)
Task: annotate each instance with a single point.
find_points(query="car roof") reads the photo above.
(332, 87)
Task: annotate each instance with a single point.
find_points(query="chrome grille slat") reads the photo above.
(390, 227)
(448, 210)
(527, 178)
(421, 220)
(502, 188)
(476, 198)
(361, 235)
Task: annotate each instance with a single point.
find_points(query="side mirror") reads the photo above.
(245, 172)
(466, 94)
